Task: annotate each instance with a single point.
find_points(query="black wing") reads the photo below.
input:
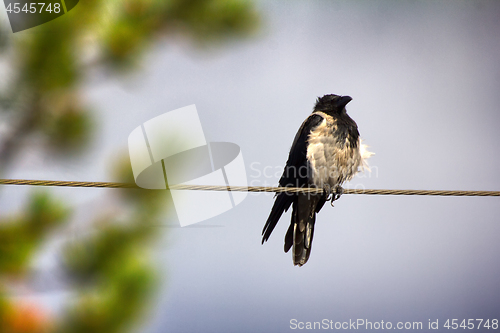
(295, 173)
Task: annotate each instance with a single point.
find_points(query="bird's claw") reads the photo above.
(336, 194)
(333, 195)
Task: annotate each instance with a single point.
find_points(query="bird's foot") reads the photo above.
(336, 194)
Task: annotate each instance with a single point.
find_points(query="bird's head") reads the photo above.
(332, 103)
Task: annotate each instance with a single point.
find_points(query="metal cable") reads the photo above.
(248, 188)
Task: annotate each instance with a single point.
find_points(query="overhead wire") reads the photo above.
(311, 190)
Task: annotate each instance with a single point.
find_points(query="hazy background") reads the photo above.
(424, 77)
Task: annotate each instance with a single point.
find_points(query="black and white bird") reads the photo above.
(326, 152)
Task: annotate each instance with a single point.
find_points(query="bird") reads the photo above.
(326, 152)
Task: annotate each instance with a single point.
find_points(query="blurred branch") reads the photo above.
(49, 62)
(13, 140)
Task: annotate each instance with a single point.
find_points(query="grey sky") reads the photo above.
(425, 79)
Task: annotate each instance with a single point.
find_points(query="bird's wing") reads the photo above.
(295, 173)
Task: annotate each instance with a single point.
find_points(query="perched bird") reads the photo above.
(326, 152)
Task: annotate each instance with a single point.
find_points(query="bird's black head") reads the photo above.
(332, 103)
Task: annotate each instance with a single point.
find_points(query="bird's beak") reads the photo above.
(344, 100)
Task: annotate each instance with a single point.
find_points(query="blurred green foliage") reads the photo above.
(111, 269)
(21, 235)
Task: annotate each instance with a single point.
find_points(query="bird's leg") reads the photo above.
(337, 193)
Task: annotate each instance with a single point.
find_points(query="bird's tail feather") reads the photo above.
(301, 231)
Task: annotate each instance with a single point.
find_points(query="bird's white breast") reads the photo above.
(332, 162)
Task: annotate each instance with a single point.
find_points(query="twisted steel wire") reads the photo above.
(311, 190)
